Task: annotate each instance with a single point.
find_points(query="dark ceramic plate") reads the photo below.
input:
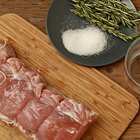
(60, 19)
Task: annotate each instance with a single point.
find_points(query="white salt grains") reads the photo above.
(88, 41)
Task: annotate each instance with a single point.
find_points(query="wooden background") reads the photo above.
(35, 12)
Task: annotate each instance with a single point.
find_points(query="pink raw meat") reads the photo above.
(69, 121)
(55, 124)
(77, 111)
(36, 111)
(36, 82)
(6, 51)
(15, 96)
(3, 83)
(15, 68)
(17, 85)
(11, 67)
(33, 114)
(8, 72)
(51, 96)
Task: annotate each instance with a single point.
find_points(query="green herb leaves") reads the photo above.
(108, 15)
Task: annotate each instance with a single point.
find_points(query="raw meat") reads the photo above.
(33, 114)
(18, 85)
(34, 80)
(42, 113)
(69, 121)
(77, 111)
(51, 96)
(37, 110)
(11, 67)
(8, 72)
(6, 51)
(56, 126)
(14, 97)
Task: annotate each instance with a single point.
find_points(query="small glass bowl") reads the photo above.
(132, 55)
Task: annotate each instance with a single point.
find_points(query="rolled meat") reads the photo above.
(39, 111)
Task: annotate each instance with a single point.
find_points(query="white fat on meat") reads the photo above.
(34, 80)
(2, 49)
(11, 67)
(51, 96)
(35, 138)
(39, 88)
(15, 74)
(52, 100)
(6, 119)
(76, 111)
(36, 110)
(38, 83)
(72, 130)
(24, 131)
(56, 97)
(20, 127)
(6, 51)
(3, 45)
(2, 77)
(68, 113)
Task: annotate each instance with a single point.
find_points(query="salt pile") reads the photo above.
(88, 41)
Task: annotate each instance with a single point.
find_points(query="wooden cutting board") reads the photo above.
(116, 106)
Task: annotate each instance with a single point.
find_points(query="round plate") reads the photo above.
(60, 19)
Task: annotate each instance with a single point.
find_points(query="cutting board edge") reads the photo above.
(131, 120)
(18, 16)
(134, 98)
(131, 95)
(136, 101)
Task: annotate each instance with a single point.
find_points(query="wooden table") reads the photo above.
(35, 12)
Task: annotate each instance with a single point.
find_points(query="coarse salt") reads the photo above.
(88, 41)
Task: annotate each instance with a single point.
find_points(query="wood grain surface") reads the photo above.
(116, 106)
(35, 12)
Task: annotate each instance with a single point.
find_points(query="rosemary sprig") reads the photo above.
(104, 27)
(108, 15)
